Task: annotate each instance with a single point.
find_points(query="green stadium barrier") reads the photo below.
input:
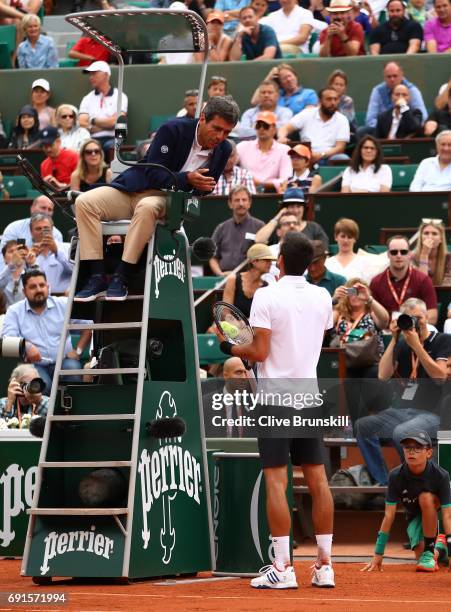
(414, 148)
(427, 71)
(327, 173)
(204, 283)
(375, 210)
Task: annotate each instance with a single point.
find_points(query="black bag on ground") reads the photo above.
(354, 476)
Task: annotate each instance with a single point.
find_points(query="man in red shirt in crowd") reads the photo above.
(401, 281)
(344, 36)
(59, 163)
(88, 50)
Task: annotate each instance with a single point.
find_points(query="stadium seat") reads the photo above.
(329, 172)
(5, 57)
(391, 149)
(209, 351)
(402, 176)
(360, 117)
(17, 186)
(32, 194)
(333, 249)
(7, 160)
(8, 36)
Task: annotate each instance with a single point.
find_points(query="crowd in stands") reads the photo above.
(284, 137)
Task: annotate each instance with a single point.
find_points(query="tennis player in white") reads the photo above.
(289, 319)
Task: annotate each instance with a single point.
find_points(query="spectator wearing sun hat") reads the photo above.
(344, 36)
(219, 43)
(265, 158)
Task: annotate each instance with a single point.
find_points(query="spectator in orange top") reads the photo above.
(343, 36)
(88, 50)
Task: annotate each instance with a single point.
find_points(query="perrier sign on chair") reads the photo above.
(121, 487)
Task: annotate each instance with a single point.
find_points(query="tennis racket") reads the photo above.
(233, 325)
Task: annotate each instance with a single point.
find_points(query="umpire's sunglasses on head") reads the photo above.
(400, 251)
(432, 221)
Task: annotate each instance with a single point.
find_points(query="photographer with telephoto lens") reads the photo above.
(24, 398)
(416, 359)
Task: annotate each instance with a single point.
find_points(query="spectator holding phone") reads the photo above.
(51, 256)
(18, 258)
(344, 36)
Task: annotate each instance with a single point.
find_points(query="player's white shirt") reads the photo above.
(298, 314)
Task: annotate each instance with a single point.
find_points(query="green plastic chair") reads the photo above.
(17, 186)
(329, 172)
(32, 194)
(333, 249)
(209, 351)
(360, 117)
(402, 176)
(67, 62)
(5, 57)
(8, 36)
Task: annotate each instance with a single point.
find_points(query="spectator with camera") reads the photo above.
(401, 281)
(416, 359)
(344, 36)
(18, 258)
(50, 255)
(24, 396)
(39, 318)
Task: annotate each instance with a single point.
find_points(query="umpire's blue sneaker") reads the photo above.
(95, 287)
(117, 289)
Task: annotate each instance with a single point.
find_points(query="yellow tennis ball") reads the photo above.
(230, 329)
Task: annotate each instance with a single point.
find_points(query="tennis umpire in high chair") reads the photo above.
(196, 150)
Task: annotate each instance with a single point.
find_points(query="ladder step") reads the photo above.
(107, 326)
(87, 464)
(77, 511)
(92, 417)
(98, 372)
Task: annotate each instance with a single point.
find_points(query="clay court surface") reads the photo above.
(398, 587)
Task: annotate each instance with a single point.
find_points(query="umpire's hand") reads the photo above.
(199, 181)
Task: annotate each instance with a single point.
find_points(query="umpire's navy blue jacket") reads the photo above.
(170, 148)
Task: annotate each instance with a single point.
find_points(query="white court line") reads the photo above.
(194, 580)
(312, 599)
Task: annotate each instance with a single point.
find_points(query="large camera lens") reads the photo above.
(13, 347)
(406, 322)
(34, 387)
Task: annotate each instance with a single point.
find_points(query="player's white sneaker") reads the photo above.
(323, 577)
(271, 578)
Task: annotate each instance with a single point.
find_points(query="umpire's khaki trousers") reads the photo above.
(109, 204)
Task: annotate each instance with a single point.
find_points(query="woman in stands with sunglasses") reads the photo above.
(92, 170)
(72, 135)
(367, 172)
(431, 254)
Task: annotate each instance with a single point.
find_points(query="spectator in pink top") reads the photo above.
(265, 158)
(437, 31)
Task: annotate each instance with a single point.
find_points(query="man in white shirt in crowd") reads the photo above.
(293, 26)
(265, 158)
(289, 319)
(268, 97)
(434, 173)
(98, 108)
(324, 127)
